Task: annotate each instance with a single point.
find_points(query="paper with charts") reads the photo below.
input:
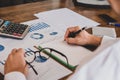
(46, 33)
(49, 70)
(66, 17)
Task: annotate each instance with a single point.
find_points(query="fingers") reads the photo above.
(14, 50)
(16, 53)
(72, 40)
(26, 70)
(69, 30)
(16, 61)
(19, 51)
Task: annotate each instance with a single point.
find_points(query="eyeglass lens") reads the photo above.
(38, 56)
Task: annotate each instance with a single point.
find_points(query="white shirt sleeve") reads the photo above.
(14, 76)
(104, 66)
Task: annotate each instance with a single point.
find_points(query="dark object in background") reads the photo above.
(95, 4)
(108, 19)
(1, 76)
(4, 3)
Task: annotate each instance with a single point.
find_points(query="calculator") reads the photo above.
(12, 29)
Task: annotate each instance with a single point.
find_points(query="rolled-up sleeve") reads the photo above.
(14, 76)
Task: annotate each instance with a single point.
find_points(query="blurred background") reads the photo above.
(4, 3)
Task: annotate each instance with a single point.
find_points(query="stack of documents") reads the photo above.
(52, 26)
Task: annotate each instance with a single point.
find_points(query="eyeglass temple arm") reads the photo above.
(32, 67)
(62, 55)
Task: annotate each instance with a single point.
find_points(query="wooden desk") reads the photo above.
(24, 12)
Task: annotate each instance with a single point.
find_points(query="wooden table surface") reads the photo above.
(24, 12)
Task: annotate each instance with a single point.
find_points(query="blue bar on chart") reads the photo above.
(29, 53)
(38, 26)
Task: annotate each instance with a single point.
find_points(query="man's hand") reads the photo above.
(16, 62)
(83, 38)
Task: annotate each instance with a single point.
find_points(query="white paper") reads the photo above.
(51, 71)
(66, 17)
(104, 31)
(10, 43)
(57, 23)
(74, 53)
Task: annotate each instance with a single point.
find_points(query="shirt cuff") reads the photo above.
(14, 76)
(106, 39)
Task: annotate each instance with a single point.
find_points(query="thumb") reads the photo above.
(26, 70)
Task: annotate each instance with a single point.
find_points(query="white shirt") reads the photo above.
(104, 64)
(14, 76)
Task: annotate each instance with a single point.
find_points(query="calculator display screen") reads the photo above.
(5, 25)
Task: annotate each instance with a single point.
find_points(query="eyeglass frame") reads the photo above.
(39, 51)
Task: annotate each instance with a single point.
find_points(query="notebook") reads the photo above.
(104, 31)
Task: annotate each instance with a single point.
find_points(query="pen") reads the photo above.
(115, 24)
(73, 34)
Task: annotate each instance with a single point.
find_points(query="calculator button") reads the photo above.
(5, 31)
(19, 34)
(10, 32)
(15, 34)
(21, 31)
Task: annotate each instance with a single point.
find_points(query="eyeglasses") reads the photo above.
(41, 56)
